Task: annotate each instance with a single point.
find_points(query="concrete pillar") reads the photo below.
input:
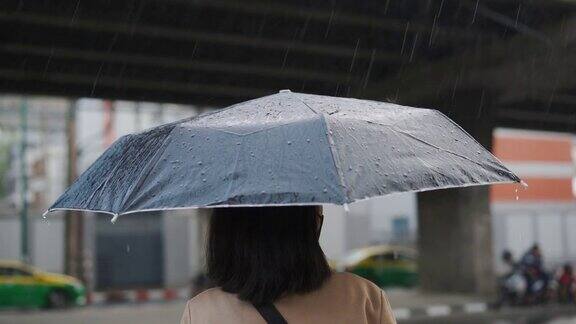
(455, 232)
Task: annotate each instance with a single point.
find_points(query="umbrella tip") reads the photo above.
(285, 91)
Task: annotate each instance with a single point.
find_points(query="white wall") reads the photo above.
(333, 231)
(46, 241)
(551, 225)
(9, 238)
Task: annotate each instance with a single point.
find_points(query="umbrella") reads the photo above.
(284, 149)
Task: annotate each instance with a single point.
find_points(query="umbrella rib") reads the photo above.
(108, 178)
(511, 174)
(429, 166)
(336, 164)
(312, 109)
(146, 169)
(245, 134)
(425, 142)
(332, 146)
(473, 139)
(227, 196)
(437, 147)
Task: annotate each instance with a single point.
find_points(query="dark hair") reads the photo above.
(263, 253)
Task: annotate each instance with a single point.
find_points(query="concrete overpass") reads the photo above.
(485, 63)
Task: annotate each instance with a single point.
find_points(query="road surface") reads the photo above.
(170, 313)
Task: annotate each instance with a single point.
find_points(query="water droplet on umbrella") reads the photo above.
(199, 162)
(308, 140)
(289, 143)
(325, 190)
(204, 180)
(315, 178)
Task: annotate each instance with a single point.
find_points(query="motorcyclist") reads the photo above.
(566, 282)
(512, 284)
(537, 279)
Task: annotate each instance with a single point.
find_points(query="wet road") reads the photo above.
(533, 315)
(124, 314)
(170, 313)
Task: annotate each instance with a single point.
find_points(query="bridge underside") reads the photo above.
(485, 63)
(506, 57)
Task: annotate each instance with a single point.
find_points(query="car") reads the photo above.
(385, 265)
(23, 286)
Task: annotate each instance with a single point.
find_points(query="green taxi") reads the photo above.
(385, 265)
(25, 286)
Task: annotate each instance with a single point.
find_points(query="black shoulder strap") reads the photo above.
(270, 314)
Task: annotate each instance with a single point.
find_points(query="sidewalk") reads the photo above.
(408, 303)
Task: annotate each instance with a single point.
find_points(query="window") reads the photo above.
(388, 256)
(11, 271)
(20, 272)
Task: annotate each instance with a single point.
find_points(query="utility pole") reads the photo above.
(138, 116)
(74, 220)
(24, 247)
(109, 133)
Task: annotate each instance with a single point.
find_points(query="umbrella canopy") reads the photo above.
(284, 149)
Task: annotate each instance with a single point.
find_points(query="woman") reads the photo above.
(268, 267)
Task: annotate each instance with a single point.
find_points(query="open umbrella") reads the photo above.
(284, 149)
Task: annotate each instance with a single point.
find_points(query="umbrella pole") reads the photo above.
(24, 246)
(74, 221)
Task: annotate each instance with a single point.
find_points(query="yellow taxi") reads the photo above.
(24, 286)
(385, 265)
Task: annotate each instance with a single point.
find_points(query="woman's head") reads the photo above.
(263, 253)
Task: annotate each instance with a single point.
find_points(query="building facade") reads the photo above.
(544, 212)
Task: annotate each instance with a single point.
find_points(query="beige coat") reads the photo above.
(344, 298)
